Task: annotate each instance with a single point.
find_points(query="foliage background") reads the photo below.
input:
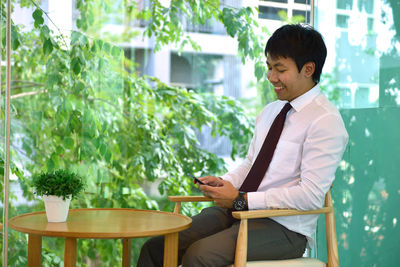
(78, 103)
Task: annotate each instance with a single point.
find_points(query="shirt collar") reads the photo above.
(303, 100)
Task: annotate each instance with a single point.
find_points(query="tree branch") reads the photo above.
(28, 93)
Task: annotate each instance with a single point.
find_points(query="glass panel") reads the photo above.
(360, 48)
(94, 93)
(366, 190)
(364, 72)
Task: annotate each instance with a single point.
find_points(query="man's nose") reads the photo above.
(272, 77)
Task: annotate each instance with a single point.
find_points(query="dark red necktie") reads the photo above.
(264, 157)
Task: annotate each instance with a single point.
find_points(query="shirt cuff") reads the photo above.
(256, 200)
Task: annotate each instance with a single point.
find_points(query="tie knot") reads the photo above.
(286, 108)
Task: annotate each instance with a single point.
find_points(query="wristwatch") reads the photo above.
(240, 202)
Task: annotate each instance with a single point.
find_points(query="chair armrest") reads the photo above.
(189, 198)
(254, 214)
(179, 199)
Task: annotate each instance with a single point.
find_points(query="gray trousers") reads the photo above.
(211, 241)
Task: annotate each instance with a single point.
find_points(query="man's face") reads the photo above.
(288, 82)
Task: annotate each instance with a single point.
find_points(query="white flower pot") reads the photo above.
(56, 208)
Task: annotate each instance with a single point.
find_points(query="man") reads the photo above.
(299, 175)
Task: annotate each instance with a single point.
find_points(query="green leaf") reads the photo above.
(27, 147)
(37, 16)
(15, 37)
(53, 79)
(15, 43)
(106, 47)
(45, 32)
(77, 68)
(101, 63)
(75, 123)
(103, 149)
(78, 23)
(76, 65)
(108, 156)
(99, 44)
(47, 47)
(50, 165)
(60, 150)
(75, 37)
(259, 70)
(79, 87)
(56, 160)
(83, 40)
(68, 142)
(116, 51)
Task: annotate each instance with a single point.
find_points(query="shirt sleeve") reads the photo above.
(323, 148)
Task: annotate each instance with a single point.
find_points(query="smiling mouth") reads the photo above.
(278, 89)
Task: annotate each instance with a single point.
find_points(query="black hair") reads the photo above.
(300, 42)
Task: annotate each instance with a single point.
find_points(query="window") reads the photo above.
(367, 5)
(267, 12)
(305, 14)
(344, 4)
(270, 9)
(342, 21)
(276, 1)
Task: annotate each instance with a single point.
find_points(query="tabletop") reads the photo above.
(103, 223)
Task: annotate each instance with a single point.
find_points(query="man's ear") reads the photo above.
(308, 69)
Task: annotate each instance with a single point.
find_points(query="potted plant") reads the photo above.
(57, 188)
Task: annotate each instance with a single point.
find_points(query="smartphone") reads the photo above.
(195, 178)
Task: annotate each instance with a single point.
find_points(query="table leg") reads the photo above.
(70, 252)
(126, 252)
(34, 250)
(171, 250)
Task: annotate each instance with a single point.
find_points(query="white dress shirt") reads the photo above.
(304, 162)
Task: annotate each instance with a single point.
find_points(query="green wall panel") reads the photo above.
(366, 191)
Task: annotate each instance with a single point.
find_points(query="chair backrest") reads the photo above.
(330, 229)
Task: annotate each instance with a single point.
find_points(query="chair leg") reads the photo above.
(126, 252)
(177, 208)
(241, 245)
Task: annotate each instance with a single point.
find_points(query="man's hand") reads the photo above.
(212, 180)
(223, 194)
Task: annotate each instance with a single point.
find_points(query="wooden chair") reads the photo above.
(241, 243)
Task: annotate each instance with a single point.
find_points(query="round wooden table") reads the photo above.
(104, 224)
